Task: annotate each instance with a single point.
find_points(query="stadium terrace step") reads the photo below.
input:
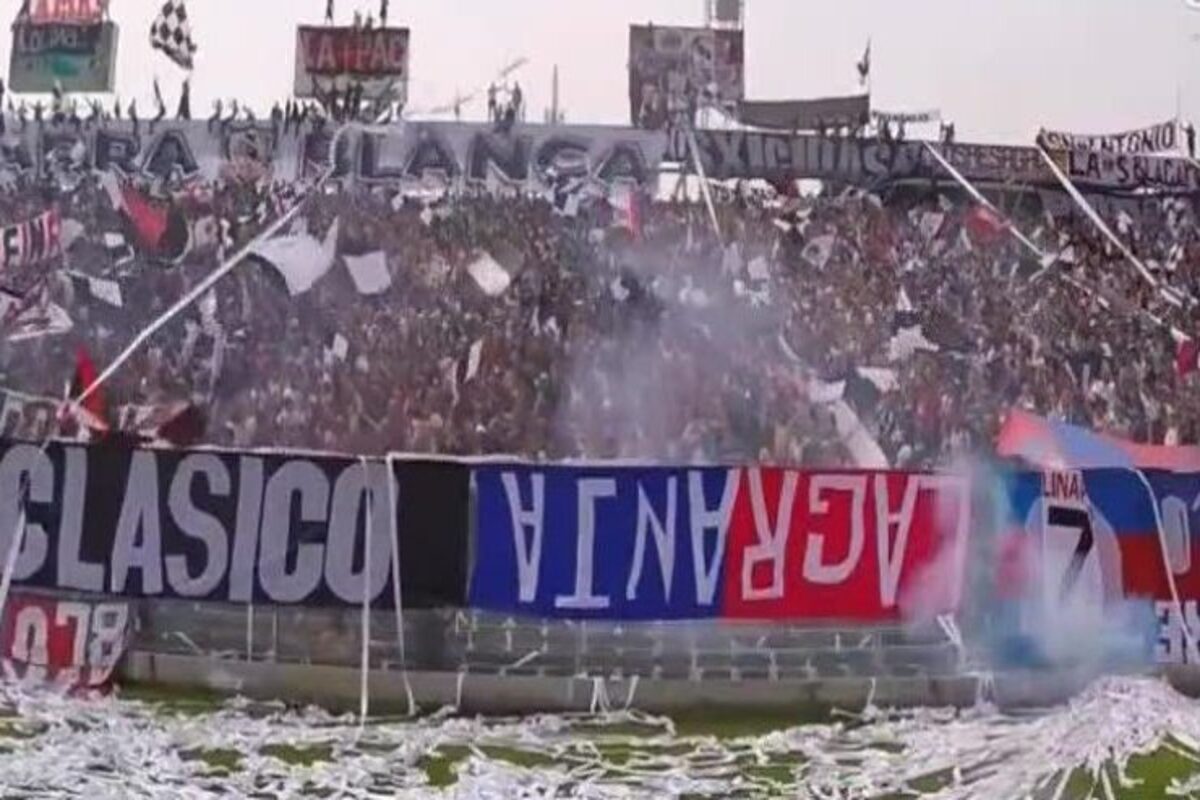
(528, 692)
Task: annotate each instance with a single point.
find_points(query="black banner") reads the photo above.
(781, 156)
(234, 527)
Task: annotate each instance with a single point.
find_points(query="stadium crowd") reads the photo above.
(631, 329)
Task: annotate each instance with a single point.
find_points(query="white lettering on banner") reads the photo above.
(77, 617)
(31, 637)
(199, 525)
(108, 625)
(664, 539)
(138, 541)
(1065, 487)
(771, 546)
(22, 463)
(194, 530)
(529, 553)
(246, 529)
(40, 628)
(1177, 534)
(588, 491)
(73, 571)
(352, 490)
(1172, 646)
(704, 519)
(1131, 171)
(815, 568)
(1069, 556)
(295, 478)
(889, 554)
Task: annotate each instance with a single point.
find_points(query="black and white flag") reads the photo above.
(102, 289)
(864, 65)
(171, 32)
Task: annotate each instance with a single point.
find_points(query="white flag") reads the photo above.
(758, 269)
(817, 251)
(370, 272)
(106, 291)
(884, 379)
(474, 356)
(931, 223)
(492, 278)
(301, 259)
(338, 349)
(908, 342)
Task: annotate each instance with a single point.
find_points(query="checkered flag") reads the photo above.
(172, 33)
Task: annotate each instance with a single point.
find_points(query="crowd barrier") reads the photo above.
(604, 543)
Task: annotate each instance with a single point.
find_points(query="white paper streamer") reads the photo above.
(118, 749)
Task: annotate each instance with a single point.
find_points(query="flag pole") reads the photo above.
(979, 198)
(704, 189)
(1091, 214)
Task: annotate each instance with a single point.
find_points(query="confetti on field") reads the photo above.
(1122, 737)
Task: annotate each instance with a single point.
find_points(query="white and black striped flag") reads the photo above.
(171, 32)
(102, 289)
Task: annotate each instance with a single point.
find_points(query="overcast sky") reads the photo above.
(998, 68)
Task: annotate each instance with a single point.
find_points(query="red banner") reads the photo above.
(68, 644)
(845, 546)
(81, 12)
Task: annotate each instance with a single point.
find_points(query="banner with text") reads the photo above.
(70, 645)
(529, 157)
(234, 527)
(534, 157)
(1129, 171)
(77, 54)
(778, 156)
(333, 59)
(1161, 138)
(645, 543)
(1099, 537)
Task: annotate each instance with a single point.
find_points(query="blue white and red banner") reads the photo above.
(1051, 444)
(645, 543)
(1104, 537)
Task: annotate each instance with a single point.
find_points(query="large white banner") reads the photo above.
(1161, 138)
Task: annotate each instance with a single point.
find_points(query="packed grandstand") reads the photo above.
(743, 403)
(625, 324)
